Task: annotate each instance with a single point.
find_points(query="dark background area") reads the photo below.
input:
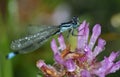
(17, 15)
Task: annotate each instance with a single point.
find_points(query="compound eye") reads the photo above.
(75, 20)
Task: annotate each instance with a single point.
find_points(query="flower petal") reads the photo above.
(47, 70)
(115, 67)
(54, 46)
(58, 58)
(61, 42)
(101, 70)
(83, 35)
(40, 63)
(70, 65)
(104, 69)
(95, 34)
(113, 56)
(100, 47)
(101, 42)
(85, 73)
(89, 53)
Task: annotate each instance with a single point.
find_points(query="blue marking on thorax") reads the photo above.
(65, 27)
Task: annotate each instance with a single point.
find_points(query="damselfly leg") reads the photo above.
(72, 31)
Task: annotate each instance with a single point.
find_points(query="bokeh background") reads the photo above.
(17, 15)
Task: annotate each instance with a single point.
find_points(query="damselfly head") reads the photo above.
(75, 21)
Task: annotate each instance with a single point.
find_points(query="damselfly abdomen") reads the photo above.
(35, 40)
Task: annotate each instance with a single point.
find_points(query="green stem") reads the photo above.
(5, 65)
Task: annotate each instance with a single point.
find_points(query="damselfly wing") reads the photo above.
(33, 41)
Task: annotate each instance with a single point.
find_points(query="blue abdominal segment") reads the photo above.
(11, 55)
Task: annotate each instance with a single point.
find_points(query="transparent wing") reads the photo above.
(34, 40)
(39, 28)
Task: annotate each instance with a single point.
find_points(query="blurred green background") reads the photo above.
(16, 15)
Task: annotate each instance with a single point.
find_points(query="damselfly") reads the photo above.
(35, 40)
